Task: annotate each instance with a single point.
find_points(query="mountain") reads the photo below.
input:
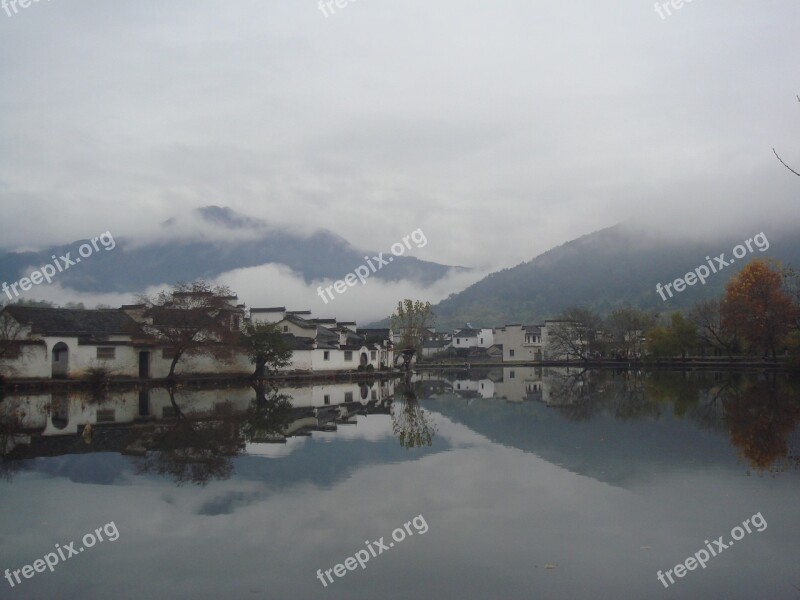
(605, 270)
(237, 242)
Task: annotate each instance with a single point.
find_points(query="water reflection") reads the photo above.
(413, 426)
(192, 436)
(189, 436)
(759, 411)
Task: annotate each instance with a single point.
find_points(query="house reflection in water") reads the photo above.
(189, 434)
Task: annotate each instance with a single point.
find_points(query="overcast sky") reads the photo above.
(501, 128)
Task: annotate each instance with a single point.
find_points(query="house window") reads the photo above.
(348, 355)
(458, 341)
(106, 353)
(326, 355)
(105, 415)
(374, 395)
(327, 398)
(285, 329)
(373, 355)
(481, 340)
(348, 396)
(511, 375)
(511, 354)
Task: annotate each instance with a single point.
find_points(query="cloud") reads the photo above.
(277, 285)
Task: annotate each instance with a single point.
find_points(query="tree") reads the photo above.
(680, 337)
(781, 160)
(412, 320)
(191, 450)
(412, 425)
(268, 415)
(192, 319)
(660, 342)
(757, 304)
(761, 419)
(577, 332)
(685, 334)
(266, 347)
(627, 327)
(10, 335)
(707, 318)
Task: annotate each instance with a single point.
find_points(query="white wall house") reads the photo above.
(520, 342)
(60, 343)
(469, 337)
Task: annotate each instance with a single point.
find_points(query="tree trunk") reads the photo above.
(260, 369)
(175, 360)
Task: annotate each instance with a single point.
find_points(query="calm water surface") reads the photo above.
(529, 483)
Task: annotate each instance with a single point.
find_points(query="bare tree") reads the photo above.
(577, 332)
(192, 319)
(10, 335)
(412, 320)
(707, 317)
(782, 161)
(628, 326)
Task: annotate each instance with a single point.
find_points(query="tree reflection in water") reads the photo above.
(199, 450)
(412, 425)
(10, 428)
(760, 412)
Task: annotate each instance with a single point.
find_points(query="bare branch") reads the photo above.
(784, 164)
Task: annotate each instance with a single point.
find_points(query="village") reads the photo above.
(69, 343)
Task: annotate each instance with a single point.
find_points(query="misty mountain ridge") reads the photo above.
(206, 243)
(610, 268)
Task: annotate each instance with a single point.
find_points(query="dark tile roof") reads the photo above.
(435, 343)
(374, 335)
(300, 322)
(298, 343)
(68, 321)
(273, 309)
(172, 317)
(467, 333)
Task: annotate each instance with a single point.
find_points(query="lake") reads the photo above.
(515, 482)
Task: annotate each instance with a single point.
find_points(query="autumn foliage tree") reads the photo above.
(757, 306)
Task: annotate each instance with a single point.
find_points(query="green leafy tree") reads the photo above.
(266, 347)
(660, 342)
